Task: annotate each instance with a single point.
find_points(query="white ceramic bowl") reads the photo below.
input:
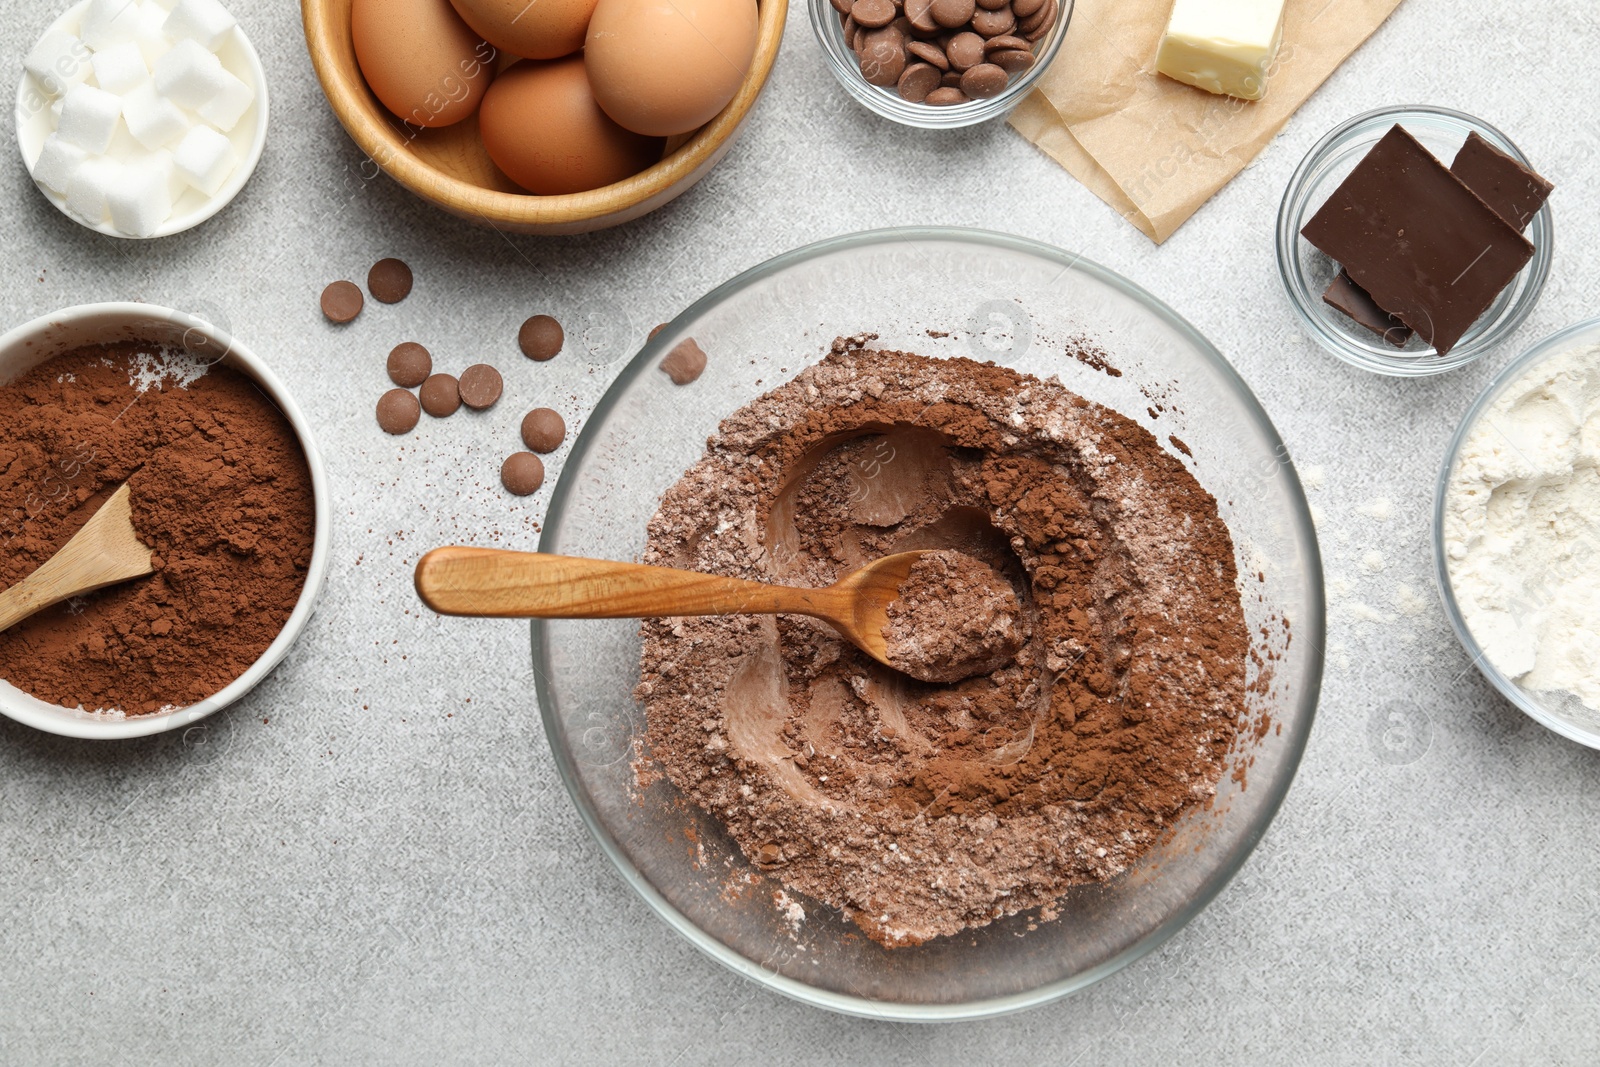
(35, 122)
(32, 343)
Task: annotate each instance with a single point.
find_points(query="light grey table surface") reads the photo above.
(370, 860)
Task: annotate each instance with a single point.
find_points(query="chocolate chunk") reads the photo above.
(441, 396)
(409, 364)
(543, 430)
(1514, 192)
(1348, 297)
(522, 473)
(389, 281)
(480, 386)
(398, 412)
(541, 337)
(1418, 240)
(685, 362)
(341, 301)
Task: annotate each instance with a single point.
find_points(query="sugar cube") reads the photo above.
(161, 160)
(119, 68)
(188, 75)
(204, 158)
(109, 22)
(141, 200)
(58, 62)
(57, 161)
(89, 186)
(232, 99)
(154, 121)
(152, 39)
(205, 21)
(89, 117)
(55, 110)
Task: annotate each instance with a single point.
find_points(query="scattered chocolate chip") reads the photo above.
(389, 281)
(685, 363)
(409, 364)
(917, 81)
(522, 473)
(983, 81)
(441, 396)
(480, 386)
(341, 301)
(543, 430)
(398, 412)
(541, 337)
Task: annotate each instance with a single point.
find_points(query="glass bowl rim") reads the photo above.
(921, 116)
(1538, 266)
(1298, 732)
(1554, 344)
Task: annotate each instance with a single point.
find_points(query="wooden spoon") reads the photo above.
(104, 552)
(494, 583)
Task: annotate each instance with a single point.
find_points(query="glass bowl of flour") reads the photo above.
(1516, 532)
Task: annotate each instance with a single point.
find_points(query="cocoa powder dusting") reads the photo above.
(220, 491)
(954, 617)
(918, 809)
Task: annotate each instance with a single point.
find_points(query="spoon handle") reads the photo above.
(495, 583)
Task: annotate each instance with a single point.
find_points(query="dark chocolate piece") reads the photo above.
(1345, 295)
(1418, 240)
(1515, 192)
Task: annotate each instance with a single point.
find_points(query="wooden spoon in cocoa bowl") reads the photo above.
(496, 583)
(104, 552)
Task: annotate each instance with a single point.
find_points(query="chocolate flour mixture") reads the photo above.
(220, 490)
(920, 809)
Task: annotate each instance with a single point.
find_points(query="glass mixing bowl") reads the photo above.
(939, 292)
(1561, 712)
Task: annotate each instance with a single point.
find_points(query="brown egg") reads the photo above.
(542, 127)
(420, 60)
(665, 67)
(533, 29)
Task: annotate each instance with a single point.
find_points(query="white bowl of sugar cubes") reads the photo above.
(142, 118)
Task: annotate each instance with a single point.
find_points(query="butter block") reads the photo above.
(1222, 46)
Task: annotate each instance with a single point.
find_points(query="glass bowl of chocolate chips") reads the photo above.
(940, 64)
(876, 845)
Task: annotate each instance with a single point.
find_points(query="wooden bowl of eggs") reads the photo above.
(556, 116)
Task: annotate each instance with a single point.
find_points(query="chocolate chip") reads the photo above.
(993, 5)
(543, 430)
(950, 79)
(1012, 61)
(685, 363)
(1005, 42)
(389, 281)
(480, 386)
(657, 329)
(993, 23)
(983, 81)
(953, 13)
(341, 301)
(873, 13)
(883, 60)
(1024, 8)
(398, 412)
(920, 14)
(850, 30)
(918, 80)
(1039, 23)
(965, 50)
(541, 337)
(843, 6)
(409, 364)
(441, 396)
(522, 473)
(945, 96)
(929, 52)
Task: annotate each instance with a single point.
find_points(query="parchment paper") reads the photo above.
(1156, 149)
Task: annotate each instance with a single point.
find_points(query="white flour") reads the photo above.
(1522, 528)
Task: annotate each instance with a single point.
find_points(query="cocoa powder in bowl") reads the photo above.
(921, 810)
(220, 491)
